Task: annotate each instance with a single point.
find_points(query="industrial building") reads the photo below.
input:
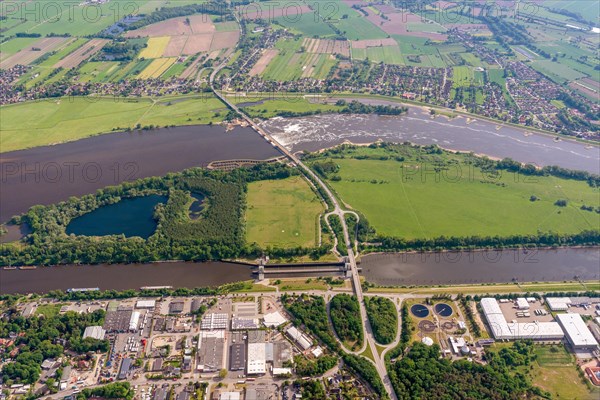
(117, 320)
(94, 332)
(238, 323)
(522, 303)
(257, 359)
(176, 307)
(148, 304)
(210, 350)
(299, 338)
(211, 322)
(578, 334)
(558, 303)
(274, 319)
(125, 368)
(134, 321)
(503, 330)
(237, 357)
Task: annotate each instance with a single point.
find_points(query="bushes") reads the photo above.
(345, 317)
(319, 366)
(367, 371)
(383, 318)
(311, 312)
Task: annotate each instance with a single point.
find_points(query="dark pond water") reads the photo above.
(482, 267)
(130, 217)
(50, 174)
(121, 277)
(419, 310)
(321, 131)
(197, 206)
(443, 309)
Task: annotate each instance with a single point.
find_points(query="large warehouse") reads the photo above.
(578, 334)
(503, 330)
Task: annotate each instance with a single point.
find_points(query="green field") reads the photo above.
(555, 371)
(306, 24)
(282, 213)
(410, 200)
(557, 72)
(386, 54)
(360, 28)
(271, 108)
(67, 119)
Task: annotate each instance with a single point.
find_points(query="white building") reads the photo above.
(257, 359)
(95, 332)
(503, 330)
(145, 304)
(282, 371)
(211, 322)
(522, 304)
(299, 338)
(457, 344)
(558, 303)
(274, 319)
(134, 321)
(576, 331)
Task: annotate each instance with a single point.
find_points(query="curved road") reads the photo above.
(368, 333)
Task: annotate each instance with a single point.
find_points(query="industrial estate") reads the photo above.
(313, 199)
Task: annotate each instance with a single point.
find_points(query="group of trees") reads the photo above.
(316, 367)
(421, 374)
(311, 312)
(218, 234)
(41, 337)
(383, 318)
(345, 317)
(356, 107)
(117, 390)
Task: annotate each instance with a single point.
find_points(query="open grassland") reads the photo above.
(156, 47)
(307, 25)
(555, 371)
(409, 199)
(282, 213)
(271, 108)
(68, 119)
(493, 288)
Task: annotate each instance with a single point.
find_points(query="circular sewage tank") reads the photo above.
(419, 311)
(443, 310)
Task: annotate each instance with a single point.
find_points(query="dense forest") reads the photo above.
(41, 337)
(345, 317)
(383, 318)
(314, 367)
(421, 374)
(218, 234)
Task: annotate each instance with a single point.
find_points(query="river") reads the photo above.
(49, 174)
(121, 277)
(479, 136)
(482, 267)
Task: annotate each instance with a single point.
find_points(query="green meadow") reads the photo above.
(67, 119)
(421, 199)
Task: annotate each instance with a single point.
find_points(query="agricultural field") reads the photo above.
(157, 67)
(557, 72)
(156, 47)
(402, 199)
(305, 24)
(282, 213)
(67, 119)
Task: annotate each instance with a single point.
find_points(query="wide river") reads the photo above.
(50, 174)
(482, 137)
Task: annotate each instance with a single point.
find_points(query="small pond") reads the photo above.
(443, 310)
(419, 310)
(129, 217)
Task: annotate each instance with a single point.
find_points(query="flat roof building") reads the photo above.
(134, 321)
(176, 307)
(210, 350)
(237, 357)
(274, 319)
(125, 367)
(578, 334)
(94, 332)
(257, 360)
(238, 323)
(503, 330)
(558, 303)
(522, 303)
(117, 320)
(145, 304)
(214, 321)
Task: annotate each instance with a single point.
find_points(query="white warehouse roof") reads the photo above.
(134, 321)
(257, 359)
(577, 332)
(95, 332)
(558, 303)
(501, 329)
(298, 337)
(522, 303)
(145, 304)
(274, 319)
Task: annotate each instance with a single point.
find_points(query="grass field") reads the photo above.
(75, 118)
(307, 25)
(493, 288)
(156, 47)
(557, 72)
(404, 199)
(282, 213)
(359, 28)
(555, 372)
(271, 108)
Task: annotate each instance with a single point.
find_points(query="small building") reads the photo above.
(230, 396)
(299, 338)
(558, 303)
(577, 333)
(94, 332)
(317, 352)
(48, 364)
(176, 307)
(522, 303)
(157, 365)
(282, 371)
(134, 321)
(125, 368)
(457, 344)
(160, 394)
(146, 304)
